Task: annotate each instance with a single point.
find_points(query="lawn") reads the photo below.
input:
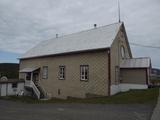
(148, 96)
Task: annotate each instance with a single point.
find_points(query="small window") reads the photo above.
(45, 72)
(61, 72)
(84, 72)
(14, 85)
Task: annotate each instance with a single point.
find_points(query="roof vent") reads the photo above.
(56, 35)
(95, 25)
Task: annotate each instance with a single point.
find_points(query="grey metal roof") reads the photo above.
(26, 70)
(97, 38)
(136, 63)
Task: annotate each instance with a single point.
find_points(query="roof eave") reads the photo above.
(134, 67)
(65, 53)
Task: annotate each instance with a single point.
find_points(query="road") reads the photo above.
(22, 111)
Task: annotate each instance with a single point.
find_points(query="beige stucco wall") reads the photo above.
(72, 86)
(116, 57)
(133, 76)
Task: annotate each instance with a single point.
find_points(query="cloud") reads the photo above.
(25, 23)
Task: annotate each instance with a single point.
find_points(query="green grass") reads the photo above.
(148, 96)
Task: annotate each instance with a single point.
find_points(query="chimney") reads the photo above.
(56, 35)
(95, 25)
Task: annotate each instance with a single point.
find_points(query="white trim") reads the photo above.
(114, 89)
(125, 87)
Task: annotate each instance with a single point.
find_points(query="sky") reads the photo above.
(25, 23)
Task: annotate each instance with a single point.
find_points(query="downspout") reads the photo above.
(147, 76)
(109, 72)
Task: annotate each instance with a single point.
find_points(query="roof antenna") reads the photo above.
(119, 12)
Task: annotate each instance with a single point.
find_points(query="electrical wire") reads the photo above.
(147, 46)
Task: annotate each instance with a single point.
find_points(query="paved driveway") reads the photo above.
(21, 111)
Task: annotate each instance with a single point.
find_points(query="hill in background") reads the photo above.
(10, 70)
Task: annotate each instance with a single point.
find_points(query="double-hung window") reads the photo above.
(84, 72)
(61, 72)
(45, 72)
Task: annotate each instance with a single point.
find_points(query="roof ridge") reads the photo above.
(83, 31)
(139, 58)
(142, 58)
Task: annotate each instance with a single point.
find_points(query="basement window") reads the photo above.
(84, 72)
(61, 72)
(45, 72)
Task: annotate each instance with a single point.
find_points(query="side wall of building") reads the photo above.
(72, 85)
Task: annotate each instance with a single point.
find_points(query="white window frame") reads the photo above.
(45, 72)
(62, 72)
(84, 72)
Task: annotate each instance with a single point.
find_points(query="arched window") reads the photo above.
(123, 52)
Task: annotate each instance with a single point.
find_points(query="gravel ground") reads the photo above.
(21, 111)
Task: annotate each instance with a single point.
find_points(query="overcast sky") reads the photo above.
(25, 23)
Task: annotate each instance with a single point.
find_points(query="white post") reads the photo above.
(31, 76)
(25, 76)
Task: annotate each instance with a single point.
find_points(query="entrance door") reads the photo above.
(36, 78)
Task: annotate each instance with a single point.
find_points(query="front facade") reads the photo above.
(92, 68)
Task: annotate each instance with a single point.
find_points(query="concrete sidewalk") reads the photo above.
(156, 112)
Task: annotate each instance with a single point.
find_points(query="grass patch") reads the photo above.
(148, 96)
(25, 99)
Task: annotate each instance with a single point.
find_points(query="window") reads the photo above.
(122, 52)
(14, 85)
(61, 72)
(45, 72)
(84, 72)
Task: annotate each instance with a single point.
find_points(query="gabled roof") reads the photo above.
(136, 63)
(97, 38)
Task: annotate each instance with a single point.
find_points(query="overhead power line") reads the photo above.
(147, 46)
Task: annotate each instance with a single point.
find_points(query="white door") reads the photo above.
(3, 89)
